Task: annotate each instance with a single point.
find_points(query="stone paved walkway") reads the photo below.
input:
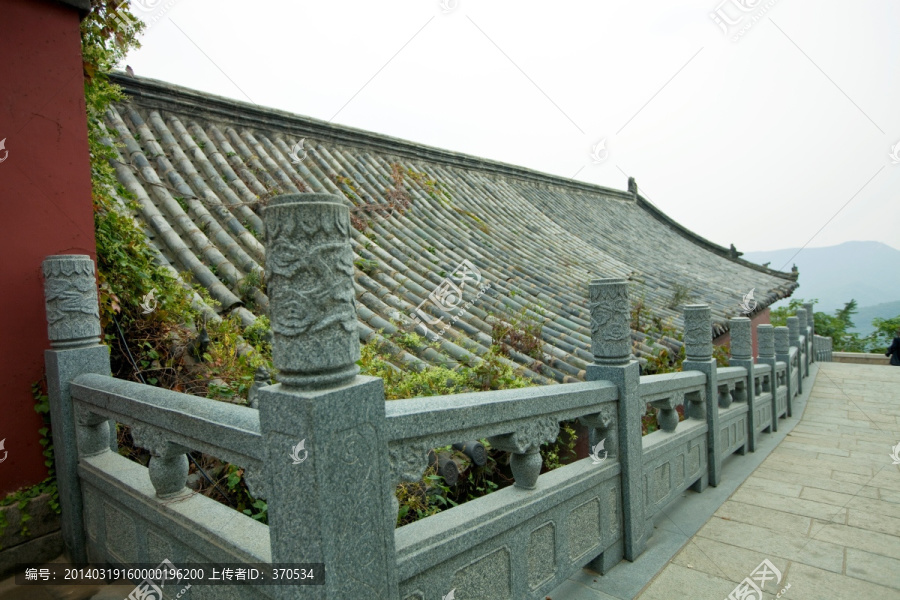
(823, 507)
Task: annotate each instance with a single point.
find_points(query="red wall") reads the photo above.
(45, 192)
(760, 318)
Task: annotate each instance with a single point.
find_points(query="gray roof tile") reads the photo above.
(201, 166)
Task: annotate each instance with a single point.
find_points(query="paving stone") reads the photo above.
(821, 554)
(797, 506)
(765, 517)
(873, 522)
(875, 542)
(689, 583)
(875, 568)
(822, 483)
(724, 560)
(810, 582)
(777, 487)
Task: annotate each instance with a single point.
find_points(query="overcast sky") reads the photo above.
(775, 134)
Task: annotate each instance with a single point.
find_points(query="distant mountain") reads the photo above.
(863, 318)
(868, 272)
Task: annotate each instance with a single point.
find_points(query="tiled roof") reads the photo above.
(200, 164)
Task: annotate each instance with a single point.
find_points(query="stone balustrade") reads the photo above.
(326, 451)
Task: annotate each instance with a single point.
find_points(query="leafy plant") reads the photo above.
(21, 498)
(680, 295)
(367, 266)
(521, 332)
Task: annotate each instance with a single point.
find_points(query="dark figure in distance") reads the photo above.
(894, 350)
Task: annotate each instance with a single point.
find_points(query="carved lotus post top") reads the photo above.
(697, 332)
(309, 271)
(765, 336)
(70, 295)
(782, 340)
(793, 325)
(741, 338)
(610, 325)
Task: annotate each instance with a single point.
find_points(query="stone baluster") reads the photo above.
(698, 357)
(611, 346)
(765, 336)
(73, 327)
(168, 466)
(336, 505)
(742, 356)
(783, 354)
(793, 325)
(524, 445)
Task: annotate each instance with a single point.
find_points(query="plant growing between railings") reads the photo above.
(562, 451)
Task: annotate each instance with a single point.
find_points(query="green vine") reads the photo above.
(23, 497)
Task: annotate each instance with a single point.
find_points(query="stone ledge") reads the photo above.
(35, 550)
(860, 358)
(43, 542)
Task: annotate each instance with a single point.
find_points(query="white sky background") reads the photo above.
(757, 142)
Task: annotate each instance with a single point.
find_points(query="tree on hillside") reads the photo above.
(885, 330)
(834, 326)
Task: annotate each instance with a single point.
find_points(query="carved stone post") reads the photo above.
(810, 326)
(73, 326)
(698, 357)
(793, 325)
(783, 354)
(327, 472)
(803, 321)
(765, 336)
(611, 347)
(742, 356)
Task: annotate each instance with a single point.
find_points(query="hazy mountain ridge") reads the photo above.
(868, 272)
(862, 320)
